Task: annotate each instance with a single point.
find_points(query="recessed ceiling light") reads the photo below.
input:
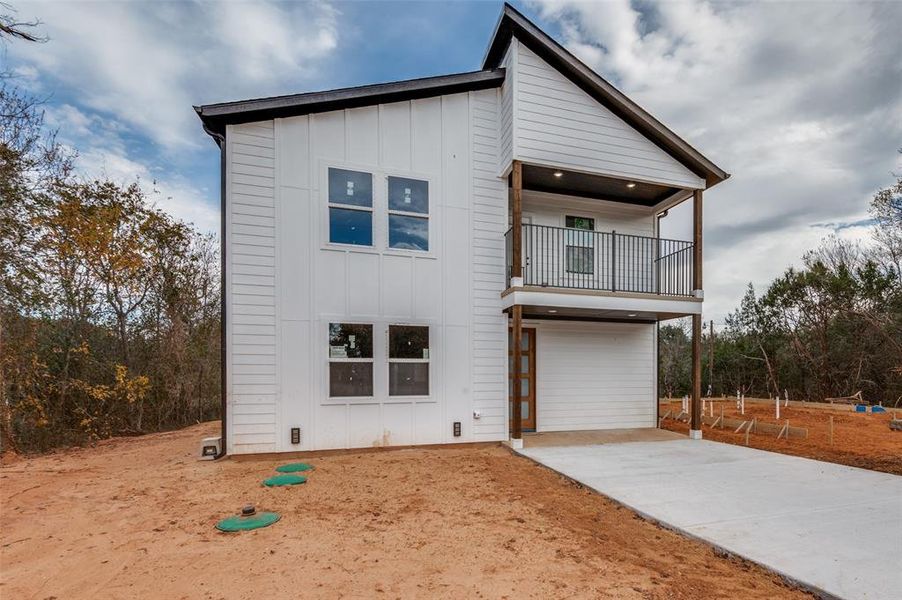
(631, 315)
(558, 174)
(551, 310)
(631, 184)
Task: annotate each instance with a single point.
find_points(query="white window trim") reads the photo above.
(330, 360)
(390, 360)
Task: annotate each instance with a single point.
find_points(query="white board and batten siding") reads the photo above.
(286, 282)
(595, 376)
(555, 123)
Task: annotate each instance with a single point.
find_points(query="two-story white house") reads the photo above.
(402, 259)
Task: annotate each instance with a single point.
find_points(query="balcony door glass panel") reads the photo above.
(579, 251)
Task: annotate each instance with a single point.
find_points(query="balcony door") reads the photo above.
(527, 375)
(580, 252)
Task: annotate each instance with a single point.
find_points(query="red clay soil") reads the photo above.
(134, 518)
(859, 439)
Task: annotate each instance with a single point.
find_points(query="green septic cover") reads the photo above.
(238, 523)
(279, 480)
(294, 467)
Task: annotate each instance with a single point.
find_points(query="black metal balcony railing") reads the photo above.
(608, 261)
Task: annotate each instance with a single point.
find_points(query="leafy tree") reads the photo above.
(830, 328)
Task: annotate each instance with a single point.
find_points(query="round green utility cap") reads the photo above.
(280, 480)
(246, 523)
(294, 468)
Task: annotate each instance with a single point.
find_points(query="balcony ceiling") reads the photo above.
(572, 183)
(585, 314)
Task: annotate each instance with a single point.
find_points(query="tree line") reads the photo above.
(831, 328)
(109, 307)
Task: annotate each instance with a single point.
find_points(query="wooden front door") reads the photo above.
(527, 374)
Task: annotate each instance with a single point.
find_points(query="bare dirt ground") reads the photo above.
(134, 518)
(859, 439)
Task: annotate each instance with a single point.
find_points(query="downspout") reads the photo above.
(220, 140)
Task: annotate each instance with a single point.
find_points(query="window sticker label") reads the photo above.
(337, 352)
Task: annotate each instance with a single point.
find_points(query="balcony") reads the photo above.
(558, 257)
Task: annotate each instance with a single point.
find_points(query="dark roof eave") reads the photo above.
(216, 116)
(513, 23)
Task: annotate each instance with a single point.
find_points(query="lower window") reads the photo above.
(408, 360)
(350, 360)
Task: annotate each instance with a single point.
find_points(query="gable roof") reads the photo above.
(513, 24)
(216, 116)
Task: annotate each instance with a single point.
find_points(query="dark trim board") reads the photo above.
(215, 117)
(223, 372)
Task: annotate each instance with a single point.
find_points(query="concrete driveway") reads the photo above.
(834, 529)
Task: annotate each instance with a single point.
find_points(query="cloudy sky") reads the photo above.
(800, 101)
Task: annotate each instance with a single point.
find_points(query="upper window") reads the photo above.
(350, 360)
(408, 214)
(350, 207)
(408, 360)
(580, 244)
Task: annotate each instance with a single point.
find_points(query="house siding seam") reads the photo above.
(252, 386)
(556, 123)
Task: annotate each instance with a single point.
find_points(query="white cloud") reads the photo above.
(121, 78)
(801, 102)
(103, 154)
(145, 64)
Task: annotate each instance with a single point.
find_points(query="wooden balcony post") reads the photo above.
(516, 310)
(695, 427)
(516, 380)
(517, 220)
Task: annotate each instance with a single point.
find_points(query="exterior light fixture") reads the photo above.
(551, 310)
(631, 315)
(558, 174)
(631, 184)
